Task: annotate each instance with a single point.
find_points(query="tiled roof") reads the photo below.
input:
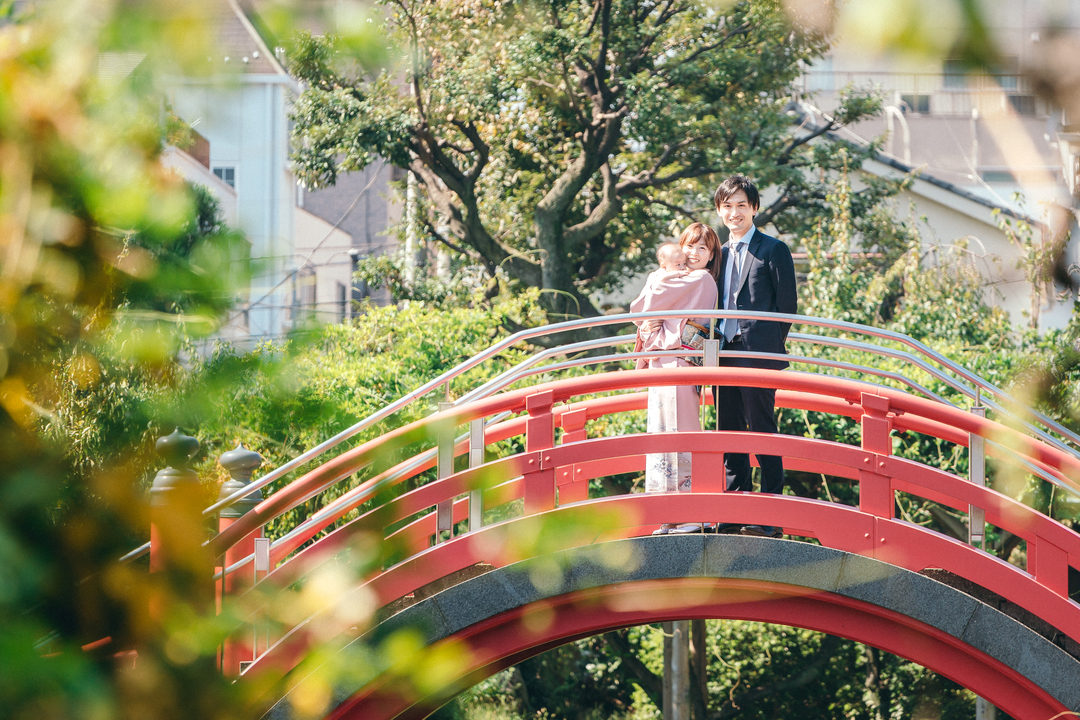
(239, 42)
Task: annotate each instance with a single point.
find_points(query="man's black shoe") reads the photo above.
(728, 528)
(762, 531)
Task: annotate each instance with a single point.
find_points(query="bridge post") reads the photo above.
(570, 488)
(977, 520)
(875, 490)
(177, 533)
(444, 511)
(710, 358)
(706, 469)
(476, 459)
(977, 475)
(240, 464)
(175, 499)
(539, 436)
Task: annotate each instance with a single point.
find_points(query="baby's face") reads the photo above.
(673, 259)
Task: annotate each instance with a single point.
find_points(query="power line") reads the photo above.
(271, 291)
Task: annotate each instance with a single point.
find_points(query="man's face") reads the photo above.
(737, 213)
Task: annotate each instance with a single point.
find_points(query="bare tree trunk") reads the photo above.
(874, 687)
(411, 241)
(984, 710)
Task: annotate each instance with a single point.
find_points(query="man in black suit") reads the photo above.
(756, 274)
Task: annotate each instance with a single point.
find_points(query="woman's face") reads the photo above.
(698, 254)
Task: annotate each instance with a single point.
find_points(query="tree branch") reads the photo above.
(810, 672)
(464, 221)
(797, 142)
(689, 215)
(650, 682)
(666, 13)
(595, 15)
(572, 97)
(637, 183)
(483, 152)
(782, 203)
(434, 232)
(428, 151)
(666, 68)
(455, 148)
(608, 207)
(599, 68)
(414, 60)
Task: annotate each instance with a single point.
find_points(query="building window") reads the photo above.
(998, 176)
(226, 174)
(916, 103)
(1008, 73)
(1023, 104)
(956, 75)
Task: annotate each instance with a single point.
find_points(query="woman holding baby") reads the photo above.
(686, 280)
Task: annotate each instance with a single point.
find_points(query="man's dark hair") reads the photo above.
(734, 184)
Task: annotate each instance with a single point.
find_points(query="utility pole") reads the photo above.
(410, 231)
(975, 141)
(677, 670)
(410, 219)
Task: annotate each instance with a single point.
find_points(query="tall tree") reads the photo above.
(556, 140)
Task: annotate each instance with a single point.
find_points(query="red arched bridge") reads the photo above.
(500, 558)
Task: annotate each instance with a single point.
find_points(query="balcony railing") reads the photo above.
(936, 93)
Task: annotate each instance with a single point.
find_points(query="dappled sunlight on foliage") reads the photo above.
(106, 264)
(554, 146)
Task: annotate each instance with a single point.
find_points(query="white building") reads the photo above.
(240, 107)
(304, 246)
(980, 142)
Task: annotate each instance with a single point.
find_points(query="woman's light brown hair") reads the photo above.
(698, 232)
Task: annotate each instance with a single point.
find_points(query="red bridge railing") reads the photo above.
(548, 476)
(439, 526)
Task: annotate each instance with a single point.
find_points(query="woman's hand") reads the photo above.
(651, 325)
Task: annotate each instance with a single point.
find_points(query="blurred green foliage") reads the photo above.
(107, 260)
(113, 270)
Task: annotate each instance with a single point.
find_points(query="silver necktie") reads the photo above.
(731, 325)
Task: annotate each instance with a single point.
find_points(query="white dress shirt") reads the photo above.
(730, 269)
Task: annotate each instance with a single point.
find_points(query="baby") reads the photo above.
(672, 260)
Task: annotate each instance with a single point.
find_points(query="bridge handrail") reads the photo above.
(519, 371)
(587, 323)
(324, 476)
(496, 431)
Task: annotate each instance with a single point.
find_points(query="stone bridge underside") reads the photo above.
(508, 614)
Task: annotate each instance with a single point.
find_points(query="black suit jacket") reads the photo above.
(766, 284)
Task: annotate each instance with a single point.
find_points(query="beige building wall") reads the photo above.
(951, 217)
(324, 276)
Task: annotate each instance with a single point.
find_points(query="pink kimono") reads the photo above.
(672, 408)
